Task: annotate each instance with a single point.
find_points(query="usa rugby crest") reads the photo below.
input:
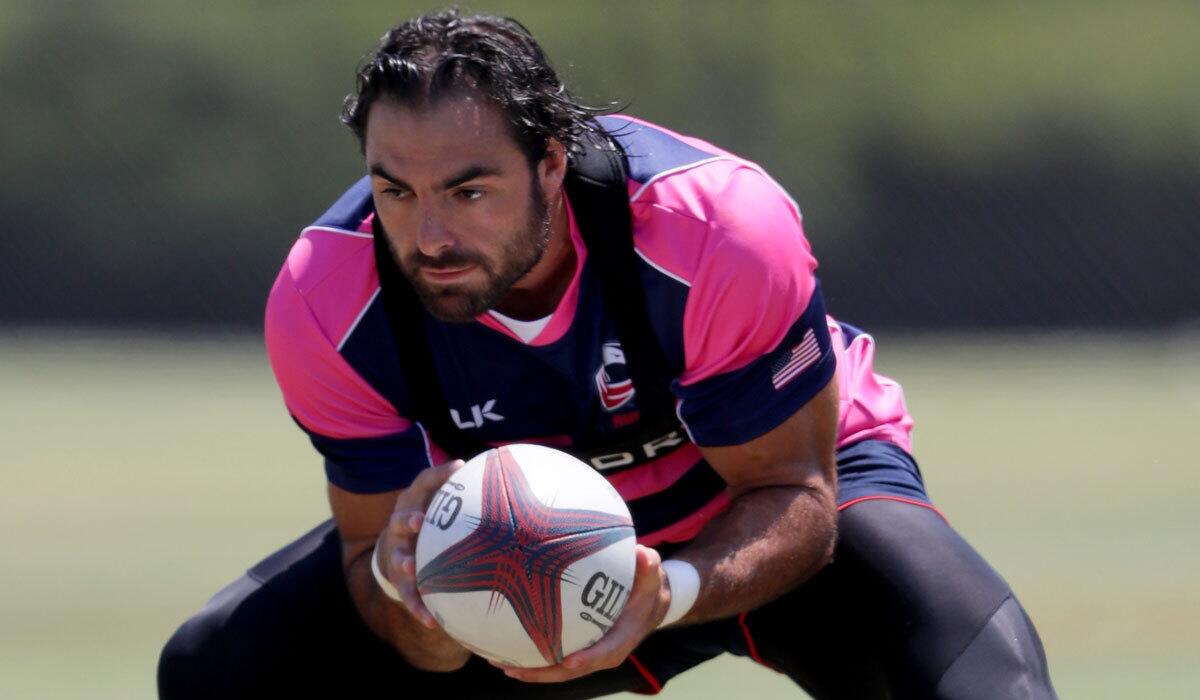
(612, 379)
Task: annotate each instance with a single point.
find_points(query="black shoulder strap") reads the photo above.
(596, 184)
(406, 318)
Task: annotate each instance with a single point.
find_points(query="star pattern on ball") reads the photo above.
(519, 551)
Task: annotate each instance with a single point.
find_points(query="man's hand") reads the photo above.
(644, 610)
(397, 547)
(392, 520)
(779, 529)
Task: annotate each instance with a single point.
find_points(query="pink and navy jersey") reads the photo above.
(733, 302)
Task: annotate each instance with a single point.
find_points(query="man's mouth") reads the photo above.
(446, 274)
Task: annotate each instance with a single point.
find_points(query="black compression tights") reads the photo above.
(906, 610)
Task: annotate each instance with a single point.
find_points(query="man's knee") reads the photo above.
(224, 650)
(237, 646)
(1004, 660)
(192, 664)
(286, 624)
(182, 665)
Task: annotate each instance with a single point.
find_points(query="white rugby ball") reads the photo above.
(526, 555)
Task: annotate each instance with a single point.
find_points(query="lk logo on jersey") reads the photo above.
(478, 415)
(612, 379)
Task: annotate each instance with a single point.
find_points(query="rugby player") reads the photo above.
(780, 513)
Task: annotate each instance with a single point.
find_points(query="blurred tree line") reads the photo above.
(960, 165)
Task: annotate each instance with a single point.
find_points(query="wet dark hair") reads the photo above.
(445, 52)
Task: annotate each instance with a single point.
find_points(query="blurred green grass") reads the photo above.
(143, 472)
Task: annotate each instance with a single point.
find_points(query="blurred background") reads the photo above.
(1006, 194)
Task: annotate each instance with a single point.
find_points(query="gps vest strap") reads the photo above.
(404, 311)
(596, 184)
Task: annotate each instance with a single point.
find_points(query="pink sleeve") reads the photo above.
(754, 278)
(320, 389)
(872, 406)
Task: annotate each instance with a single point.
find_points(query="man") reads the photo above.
(782, 442)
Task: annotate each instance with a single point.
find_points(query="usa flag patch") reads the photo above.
(800, 358)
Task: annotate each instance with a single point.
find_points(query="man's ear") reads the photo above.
(553, 166)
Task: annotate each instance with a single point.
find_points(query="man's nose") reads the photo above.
(433, 235)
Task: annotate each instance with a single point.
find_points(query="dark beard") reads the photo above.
(523, 253)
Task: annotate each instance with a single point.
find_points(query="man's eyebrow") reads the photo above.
(378, 170)
(465, 175)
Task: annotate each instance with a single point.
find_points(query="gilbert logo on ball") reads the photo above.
(526, 555)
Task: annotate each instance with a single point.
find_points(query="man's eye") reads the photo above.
(396, 193)
(470, 194)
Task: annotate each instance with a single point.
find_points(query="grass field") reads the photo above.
(141, 473)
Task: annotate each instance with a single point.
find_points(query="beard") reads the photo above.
(523, 249)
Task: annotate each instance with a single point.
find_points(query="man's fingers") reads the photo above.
(431, 478)
(647, 558)
(405, 523)
(410, 505)
(648, 570)
(412, 601)
(574, 666)
(418, 494)
(642, 612)
(401, 566)
(608, 652)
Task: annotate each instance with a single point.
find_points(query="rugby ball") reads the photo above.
(526, 555)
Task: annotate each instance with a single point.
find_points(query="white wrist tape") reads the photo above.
(684, 582)
(388, 589)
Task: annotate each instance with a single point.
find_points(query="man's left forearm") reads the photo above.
(770, 540)
(778, 531)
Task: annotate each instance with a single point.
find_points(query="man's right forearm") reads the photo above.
(424, 648)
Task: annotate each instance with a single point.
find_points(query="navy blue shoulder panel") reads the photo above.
(371, 350)
(650, 150)
(350, 209)
(666, 300)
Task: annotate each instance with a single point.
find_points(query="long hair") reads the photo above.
(445, 52)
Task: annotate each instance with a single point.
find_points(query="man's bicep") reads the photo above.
(736, 406)
(797, 452)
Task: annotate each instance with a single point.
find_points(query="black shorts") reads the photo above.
(878, 469)
(906, 609)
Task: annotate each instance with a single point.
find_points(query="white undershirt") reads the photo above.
(525, 330)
